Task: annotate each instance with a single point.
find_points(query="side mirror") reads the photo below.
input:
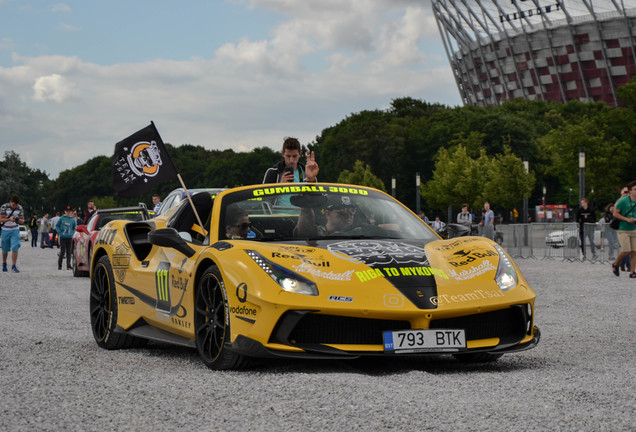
(169, 237)
(81, 229)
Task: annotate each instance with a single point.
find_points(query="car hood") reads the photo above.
(420, 271)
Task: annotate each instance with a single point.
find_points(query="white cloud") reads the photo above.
(324, 61)
(52, 88)
(61, 7)
(68, 27)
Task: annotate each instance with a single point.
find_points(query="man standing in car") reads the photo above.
(289, 170)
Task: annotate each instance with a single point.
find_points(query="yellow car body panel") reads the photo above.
(405, 281)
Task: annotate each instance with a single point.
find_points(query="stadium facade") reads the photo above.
(555, 50)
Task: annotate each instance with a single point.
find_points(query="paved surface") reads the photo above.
(581, 377)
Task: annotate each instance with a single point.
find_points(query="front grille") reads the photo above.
(509, 325)
(313, 328)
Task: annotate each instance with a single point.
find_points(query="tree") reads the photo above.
(507, 181)
(361, 175)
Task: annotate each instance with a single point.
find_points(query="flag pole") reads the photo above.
(196, 213)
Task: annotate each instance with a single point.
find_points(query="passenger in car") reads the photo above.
(237, 223)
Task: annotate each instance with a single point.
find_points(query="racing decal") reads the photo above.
(472, 272)
(466, 256)
(300, 250)
(163, 288)
(126, 300)
(379, 253)
(106, 237)
(244, 311)
(307, 188)
(343, 299)
(314, 261)
(241, 292)
(466, 297)
(329, 275)
(453, 245)
(121, 261)
(404, 265)
(178, 318)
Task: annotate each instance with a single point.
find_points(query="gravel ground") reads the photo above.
(581, 376)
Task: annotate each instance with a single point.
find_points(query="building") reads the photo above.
(556, 50)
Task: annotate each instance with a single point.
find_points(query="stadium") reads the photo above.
(556, 50)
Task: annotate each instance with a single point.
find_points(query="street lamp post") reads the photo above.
(526, 165)
(543, 204)
(393, 184)
(417, 190)
(581, 173)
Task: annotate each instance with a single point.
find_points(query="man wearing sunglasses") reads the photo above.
(238, 223)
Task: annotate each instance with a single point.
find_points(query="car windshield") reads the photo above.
(317, 212)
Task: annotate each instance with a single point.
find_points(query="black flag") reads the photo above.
(141, 162)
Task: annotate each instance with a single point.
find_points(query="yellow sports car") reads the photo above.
(314, 270)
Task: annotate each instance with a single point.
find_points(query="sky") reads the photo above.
(78, 76)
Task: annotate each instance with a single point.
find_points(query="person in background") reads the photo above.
(156, 200)
(44, 231)
(488, 221)
(608, 233)
(66, 228)
(90, 211)
(33, 226)
(464, 218)
(424, 217)
(625, 210)
(55, 241)
(586, 218)
(438, 225)
(11, 216)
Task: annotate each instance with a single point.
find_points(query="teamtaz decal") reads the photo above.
(472, 272)
(466, 256)
(343, 299)
(465, 297)
(376, 253)
(121, 261)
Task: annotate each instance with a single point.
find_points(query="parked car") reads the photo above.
(85, 235)
(24, 233)
(561, 238)
(378, 281)
(173, 198)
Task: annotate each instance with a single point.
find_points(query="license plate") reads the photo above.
(433, 340)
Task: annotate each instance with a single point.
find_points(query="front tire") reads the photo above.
(103, 308)
(212, 323)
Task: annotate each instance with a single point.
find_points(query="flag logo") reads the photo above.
(141, 162)
(144, 158)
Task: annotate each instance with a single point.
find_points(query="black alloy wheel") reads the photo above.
(212, 323)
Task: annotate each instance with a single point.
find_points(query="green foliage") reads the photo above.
(361, 175)
(463, 154)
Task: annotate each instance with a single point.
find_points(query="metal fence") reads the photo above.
(559, 241)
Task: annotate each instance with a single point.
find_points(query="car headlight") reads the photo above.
(506, 276)
(288, 280)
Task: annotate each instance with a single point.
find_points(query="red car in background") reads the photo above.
(85, 235)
